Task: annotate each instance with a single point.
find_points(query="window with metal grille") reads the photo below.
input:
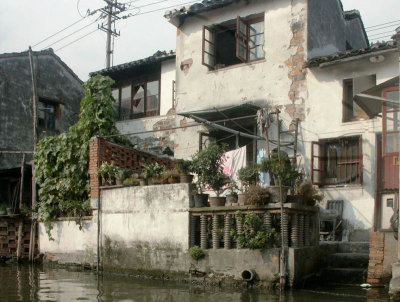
(233, 42)
(47, 115)
(337, 161)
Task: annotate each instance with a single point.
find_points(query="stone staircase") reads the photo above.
(348, 264)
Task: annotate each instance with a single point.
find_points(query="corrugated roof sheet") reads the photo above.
(376, 47)
(159, 56)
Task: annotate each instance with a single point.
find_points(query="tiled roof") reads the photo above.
(159, 56)
(376, 47)
(185, 11)
(45, 52)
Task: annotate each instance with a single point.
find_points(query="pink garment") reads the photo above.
(234, 160)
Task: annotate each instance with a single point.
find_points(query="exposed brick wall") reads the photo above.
(9, 237)
(376, 257)
(101, 151)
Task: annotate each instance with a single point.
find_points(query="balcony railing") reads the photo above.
(212, 227)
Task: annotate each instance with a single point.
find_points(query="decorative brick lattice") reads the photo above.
(376, 256)
(101, 151)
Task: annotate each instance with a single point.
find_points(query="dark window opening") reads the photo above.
(233, 42)
(337, 161)
(46, 115)
(351, 87)
(138, 100)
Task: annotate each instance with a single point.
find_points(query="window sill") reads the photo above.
(238, 65)
(344, 187)
(354, 122)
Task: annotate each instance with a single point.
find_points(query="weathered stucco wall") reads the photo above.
(54, 82)
(70, 245)
(323, 120)
(145, 227)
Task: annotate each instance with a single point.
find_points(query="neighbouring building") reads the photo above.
(59, 93)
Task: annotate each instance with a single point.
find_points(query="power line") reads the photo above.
(385, 32)
(65, 28)
(382, 27)
(77, 39)
(383, 24)
(76, 31)
(381, 37)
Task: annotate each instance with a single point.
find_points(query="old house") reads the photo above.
(144, 91)
(59, 94)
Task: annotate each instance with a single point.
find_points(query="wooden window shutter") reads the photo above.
(242, 41)
(208, 52)
(316, 164)
(360, 165)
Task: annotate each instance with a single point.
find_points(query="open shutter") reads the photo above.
(242, 41)
(208, 55)
(316, 164)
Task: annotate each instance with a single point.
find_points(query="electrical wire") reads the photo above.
(382, 24)
(77, 39)
(382, 27)
(382, 33)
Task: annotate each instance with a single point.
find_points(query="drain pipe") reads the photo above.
(98, 231)
(248, 275)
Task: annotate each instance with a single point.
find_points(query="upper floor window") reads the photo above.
(233, 42)
(138, 99)
(47, 115)
(337, 161)
(351, 87)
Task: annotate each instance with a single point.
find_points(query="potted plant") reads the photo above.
(217, 182)
(232, 196)
(10, 211)
(310, 193)
(3, 209)
(200, 199)
(123, 174)
(131, 181)
(257, 195)
(280, 170)
(171, 176)
(153, 172)
(108, 173)
(143, 179)
(207, 164)
(247, 176)
(184, 167)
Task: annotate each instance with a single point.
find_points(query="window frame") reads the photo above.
(134, 83)
(241, 40)
(385, 132)
(343, 160)
(56, 113)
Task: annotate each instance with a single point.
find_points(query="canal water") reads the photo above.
(37, 283)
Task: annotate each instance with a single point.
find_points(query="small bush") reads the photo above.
(131, 182)
(183, 166)
(196, 253)
(257, 195)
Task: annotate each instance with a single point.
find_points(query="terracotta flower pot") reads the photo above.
(217, 201)
(230, 199)
(274, 191)
(242, 199)
(200, 200)
(186, 179)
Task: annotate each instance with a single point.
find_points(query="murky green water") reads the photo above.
(27, 283)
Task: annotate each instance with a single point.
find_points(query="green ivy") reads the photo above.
(62, 161)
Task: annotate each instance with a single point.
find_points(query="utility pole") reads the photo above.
(112, 10)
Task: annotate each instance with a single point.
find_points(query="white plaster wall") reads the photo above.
(70, 244)
(261, 82)
(167, 76)
(150, 214)
(324, 120)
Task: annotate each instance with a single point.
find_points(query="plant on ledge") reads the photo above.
(254, 235)
(108, 172)
(196, 253)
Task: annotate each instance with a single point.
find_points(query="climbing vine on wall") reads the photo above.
(62, 161)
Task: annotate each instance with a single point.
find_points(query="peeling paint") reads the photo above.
(185, 65)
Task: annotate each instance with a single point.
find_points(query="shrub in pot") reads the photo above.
(310, 193)
(232, 196)
(171, 176)
(153, 172)
(184, 168)
(200, 199)
(217, 182)
(108, 173)
(123, 174)
(131, 181)
(247, 176)
(257, 195)
(281, 171)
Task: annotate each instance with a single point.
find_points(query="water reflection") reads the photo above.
(35, 283)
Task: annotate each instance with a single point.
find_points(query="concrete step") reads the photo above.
(344, 275)
(348, 260)
(353, 247)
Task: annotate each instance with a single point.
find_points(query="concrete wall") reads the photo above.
(70, 245)
(323, 120)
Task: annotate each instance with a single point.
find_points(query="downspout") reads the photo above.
(98, 233)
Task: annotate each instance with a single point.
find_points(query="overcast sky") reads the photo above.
(27, 22)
